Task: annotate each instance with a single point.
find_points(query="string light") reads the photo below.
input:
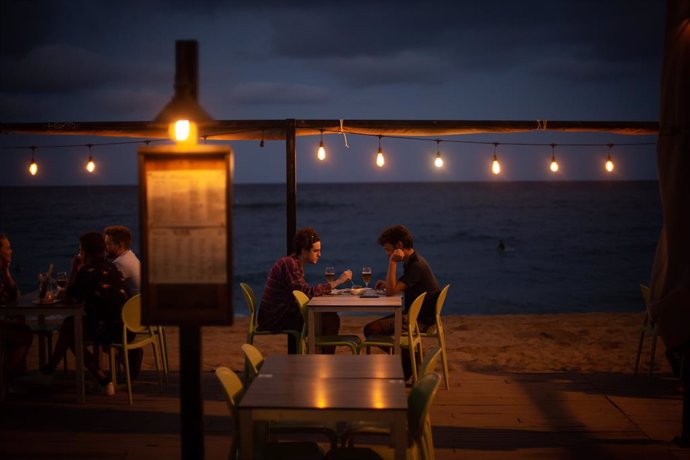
(321, 153)
(495, 165)
(554, 163)
(33, 167)
(261, 144)
(609, 162)
(90, 165)
(380, 161)
(438, 161)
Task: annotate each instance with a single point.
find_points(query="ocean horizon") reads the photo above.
(572, 246)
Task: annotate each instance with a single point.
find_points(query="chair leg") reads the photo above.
(164, 353)
(113, 366)
(125, 358)
(652, 356)
(444, 357)
(639, 345)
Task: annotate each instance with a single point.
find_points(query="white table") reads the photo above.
(279, 396)
(25, 306)
(353, 303)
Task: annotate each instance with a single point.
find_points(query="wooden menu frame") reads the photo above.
(185, 221)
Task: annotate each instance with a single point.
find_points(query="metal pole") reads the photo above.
(291, 180)
(191, 408)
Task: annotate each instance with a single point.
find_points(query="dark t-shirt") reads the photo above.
(419, 278)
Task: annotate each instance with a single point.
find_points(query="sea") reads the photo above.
(569, 246)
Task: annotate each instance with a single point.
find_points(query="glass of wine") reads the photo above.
(61, 279)
(329, 273)
(366, 275)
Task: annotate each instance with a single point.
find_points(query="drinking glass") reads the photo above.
(329, 273)
(366, 275)
(61, 279)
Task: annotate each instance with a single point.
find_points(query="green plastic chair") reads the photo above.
(409, 339)
(145, 335)
(437, 331)
(648, 327)
(338, 340)
(420, 442)
(250, 299)
(253, 360)
(234, 390)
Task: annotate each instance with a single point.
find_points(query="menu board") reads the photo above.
(186, 222)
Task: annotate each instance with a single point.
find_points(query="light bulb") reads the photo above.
(321, 153)
(90, 165)
(438, 162)
(33, 168)
(182, 130)
(609, 164)
(380, 161)
(496, 167)
(554, 165)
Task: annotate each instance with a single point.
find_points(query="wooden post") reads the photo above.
(191, 408)
(291, 181)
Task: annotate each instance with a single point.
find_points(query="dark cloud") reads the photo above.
(277, 93)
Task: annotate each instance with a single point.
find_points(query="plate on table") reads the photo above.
(338, 291)
(46, 302)
(361, 291)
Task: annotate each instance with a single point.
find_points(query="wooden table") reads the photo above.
(353, 303)
(281, 396)
(341, 366)
(25, 306)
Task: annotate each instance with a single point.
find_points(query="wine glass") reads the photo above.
(329, 273)
(366, 275)
(61, 279)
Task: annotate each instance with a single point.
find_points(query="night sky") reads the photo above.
(93, 60)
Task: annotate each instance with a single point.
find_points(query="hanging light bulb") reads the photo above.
(90, 165)
(33, 167)
(438, 161)
(495, 165)
(554, 163)
(609, 162)
(321, 153)
(380, 161)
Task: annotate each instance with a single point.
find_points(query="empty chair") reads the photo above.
(420, 443)
(234, 390)
(144, 336)
(253, 360)
(410, 339)
(336, 340)
(437, 331)
(648, 327)
(250, 300)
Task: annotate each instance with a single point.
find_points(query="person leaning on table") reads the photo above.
(16, 337)
(416, 279)
(279, 309)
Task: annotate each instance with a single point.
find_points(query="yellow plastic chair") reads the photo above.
(250, 300)
(337, 340)
(145, 335)
(253, 360)
(648, 327)
(420, 443)
(438, 332)
(410, 339)
(163, 341)
(234, 390)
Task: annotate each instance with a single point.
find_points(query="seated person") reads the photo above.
(416, 279)
(279, 309)
(100, 285)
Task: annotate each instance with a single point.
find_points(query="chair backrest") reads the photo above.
(254, 357)
(413, 313)
(430, 360)
(441, 300)
(250, 300)
(644, 289)
(131, 314)
(302, 301)
(419, 403)
(234, 389)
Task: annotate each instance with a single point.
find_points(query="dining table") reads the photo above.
(326, 388)
(347, 302)
(30, 305)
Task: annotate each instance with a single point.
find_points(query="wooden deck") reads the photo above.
(482, 416)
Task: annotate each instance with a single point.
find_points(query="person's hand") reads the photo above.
(380, 284)
(397, 256)
(347, 275)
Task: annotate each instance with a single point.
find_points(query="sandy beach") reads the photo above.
(576, 342)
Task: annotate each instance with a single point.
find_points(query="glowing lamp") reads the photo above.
(438, 161)
(90, 165)
(33, 168)
(183, 131)
(609, 165)
(554, 165)
(321, 153)
(380, 161)
(496, 166)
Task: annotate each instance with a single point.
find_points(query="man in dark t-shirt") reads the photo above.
(417, 278)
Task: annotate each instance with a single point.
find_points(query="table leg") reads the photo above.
(79, 357)
(398, 437)
(398, 330)
(246, 434)
(311, 331)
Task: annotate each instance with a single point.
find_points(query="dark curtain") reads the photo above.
(670, 280)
